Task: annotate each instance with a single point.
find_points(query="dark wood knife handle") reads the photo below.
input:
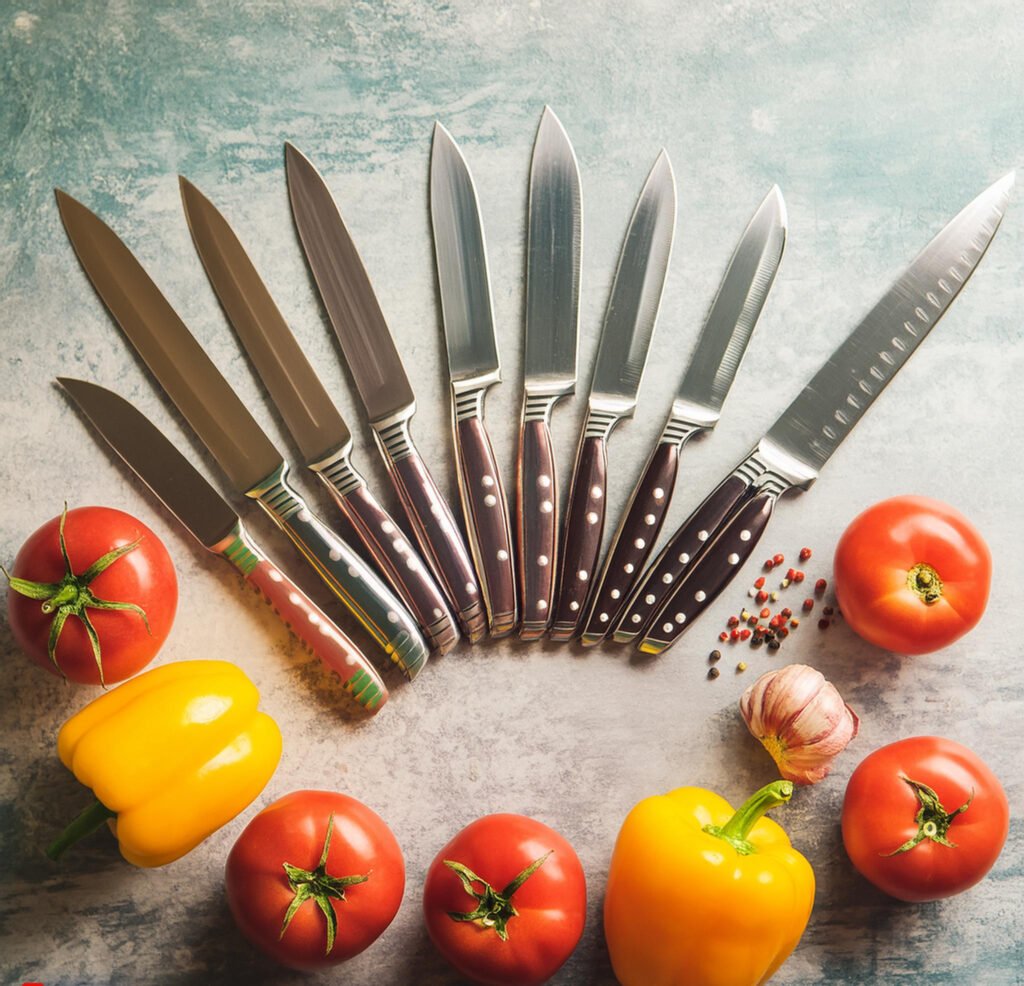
(711, 573)
(682, 550)
(486, 511)
(581, 544)
(389, 548)
(633, 542)
(536, 526)
(435, 527)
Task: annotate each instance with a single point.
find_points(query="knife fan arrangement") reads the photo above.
(523, 571)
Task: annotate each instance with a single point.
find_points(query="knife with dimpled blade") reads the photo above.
(622, 353)
(211, 521)
(380, 378)
(243, 450)
(710, 547)
(696, 408)
(553, 251)
(473, 367)
(310, 414)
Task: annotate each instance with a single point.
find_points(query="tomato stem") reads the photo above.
(84, 824)
(924, 581)
(933, 822)
(736, 830)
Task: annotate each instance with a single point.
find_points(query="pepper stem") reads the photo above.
(736, 830)
(84, 824)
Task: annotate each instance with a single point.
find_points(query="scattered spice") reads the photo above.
(713, 673)
(805, 553)
(808, 605)
(823, 624)
(773, 644)
(769, 565)
(794, 623)
(762, 596)
(819, 587)
(784, 584)
(715, 655)
(791, 574)
(742, 666)
(828, 611)
(798, 576)
(765, 613)
(723, 636)
(774, 597)
(759, 582)
(733, 621)
(779, 559)
(734, 635)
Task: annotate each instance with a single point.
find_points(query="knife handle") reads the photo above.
(536, 516)
(307, 621)
(584, 524)
(389, 548)
(682, 550)
(434, 526)
(345, 573)
(712, 572)
(633, 542)
(486, 511)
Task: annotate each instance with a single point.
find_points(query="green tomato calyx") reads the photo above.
(933, 821)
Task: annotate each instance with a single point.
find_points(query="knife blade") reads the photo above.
(696, 408)
(553, 258)
(473, 366)
(723, 531)
(380, 378)
(309, 412)
(622, 352)
(211, 521)
(253, 465)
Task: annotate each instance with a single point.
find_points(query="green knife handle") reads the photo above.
(345, 573)
(312, 627)
(389, 548)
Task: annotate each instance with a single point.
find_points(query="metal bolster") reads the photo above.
(686, 420)
(769, 469)
(600, 422)
(395, 439)
(538, 407)
(276, 495)
(468, 403)
(336, 470)
(236, 547)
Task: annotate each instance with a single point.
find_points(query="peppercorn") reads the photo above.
(773, 645)
(742, 666)
(822, 624)
(786, 612)
(782, 633)
(798, 576)
(769, 565)
(744, 634)
(723, 636)
(791, 574)
(715, 655)
(808, 605)
(734, 635)
(765, 613)
(733, 621)
(828, 611)
(752, 621)
(778, 559)
(713, 673)
(819, 587)
(805, 553)
(762, 596)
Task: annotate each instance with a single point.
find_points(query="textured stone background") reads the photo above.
(878, 121)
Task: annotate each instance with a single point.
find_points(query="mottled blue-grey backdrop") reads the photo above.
(878, 120)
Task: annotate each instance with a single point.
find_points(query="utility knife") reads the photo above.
(696, 408)
(243, 450)
(710, 547)
(380, 378)
(211, 521)
(622, 353)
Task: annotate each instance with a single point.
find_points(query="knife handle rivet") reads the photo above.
(667, 578)
(615, 593)
(543, 481)
(314, 619)
(399, 546)
(490, 500)
(387, 527)
(353, 571)
(592, 517)
(582, 575)
(275, 575)
(304, 516)
(595, 492)
(700, 595)
(603, 617)
(412, 564)
(628, 568)
(636, 617)
(542, 604)
(294, 599)
(471, 588)
(733, 558)
(680, 617)
(667, 627)
(546, 507)
(649, 520)
(744, 535)
(649, 599)
(574, 605)
(487, 481)
(334, 554)
(640, 543)
(659, 494)
(502, 555)
(438, 612)
(702, 536)
(684, 559)
(392, 616)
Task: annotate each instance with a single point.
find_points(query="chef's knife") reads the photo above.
(473, 366)
(210, 519)
(712, 545)
(252, 463)
(310, 414)
(621, 355)
(553, 249)
(696, 408)
(382, 383)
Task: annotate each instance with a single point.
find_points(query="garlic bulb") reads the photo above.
(801, 720)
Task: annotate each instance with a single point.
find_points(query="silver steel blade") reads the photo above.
(307, 409)
(829, 406)
(155, 460)
(553, 250)
(736, 308)
(346, 291)
(637, 288)
(153, 327)
(461, 262)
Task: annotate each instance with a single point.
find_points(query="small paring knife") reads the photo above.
(696, 408)
(553, 256)
(383, 385)
(710, 547)
(211, 521)
(310, 414)
(473, 367)
(622, 353)
(243, 450)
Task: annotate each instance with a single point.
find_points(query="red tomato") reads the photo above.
(924, 818)
(315, 878)
(912, 574)
(141, 578)
(523, 881)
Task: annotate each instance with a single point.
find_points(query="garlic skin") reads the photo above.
(800, 719)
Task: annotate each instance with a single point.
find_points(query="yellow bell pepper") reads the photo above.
(700, 895)
(171, 756)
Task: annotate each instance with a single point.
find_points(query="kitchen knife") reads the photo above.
(621, 355)
(696, 408)
(380, 378)
(709, 548)
(553, 249)
(310, 414)
(252, 463)
(213, 523)
(473, 366)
